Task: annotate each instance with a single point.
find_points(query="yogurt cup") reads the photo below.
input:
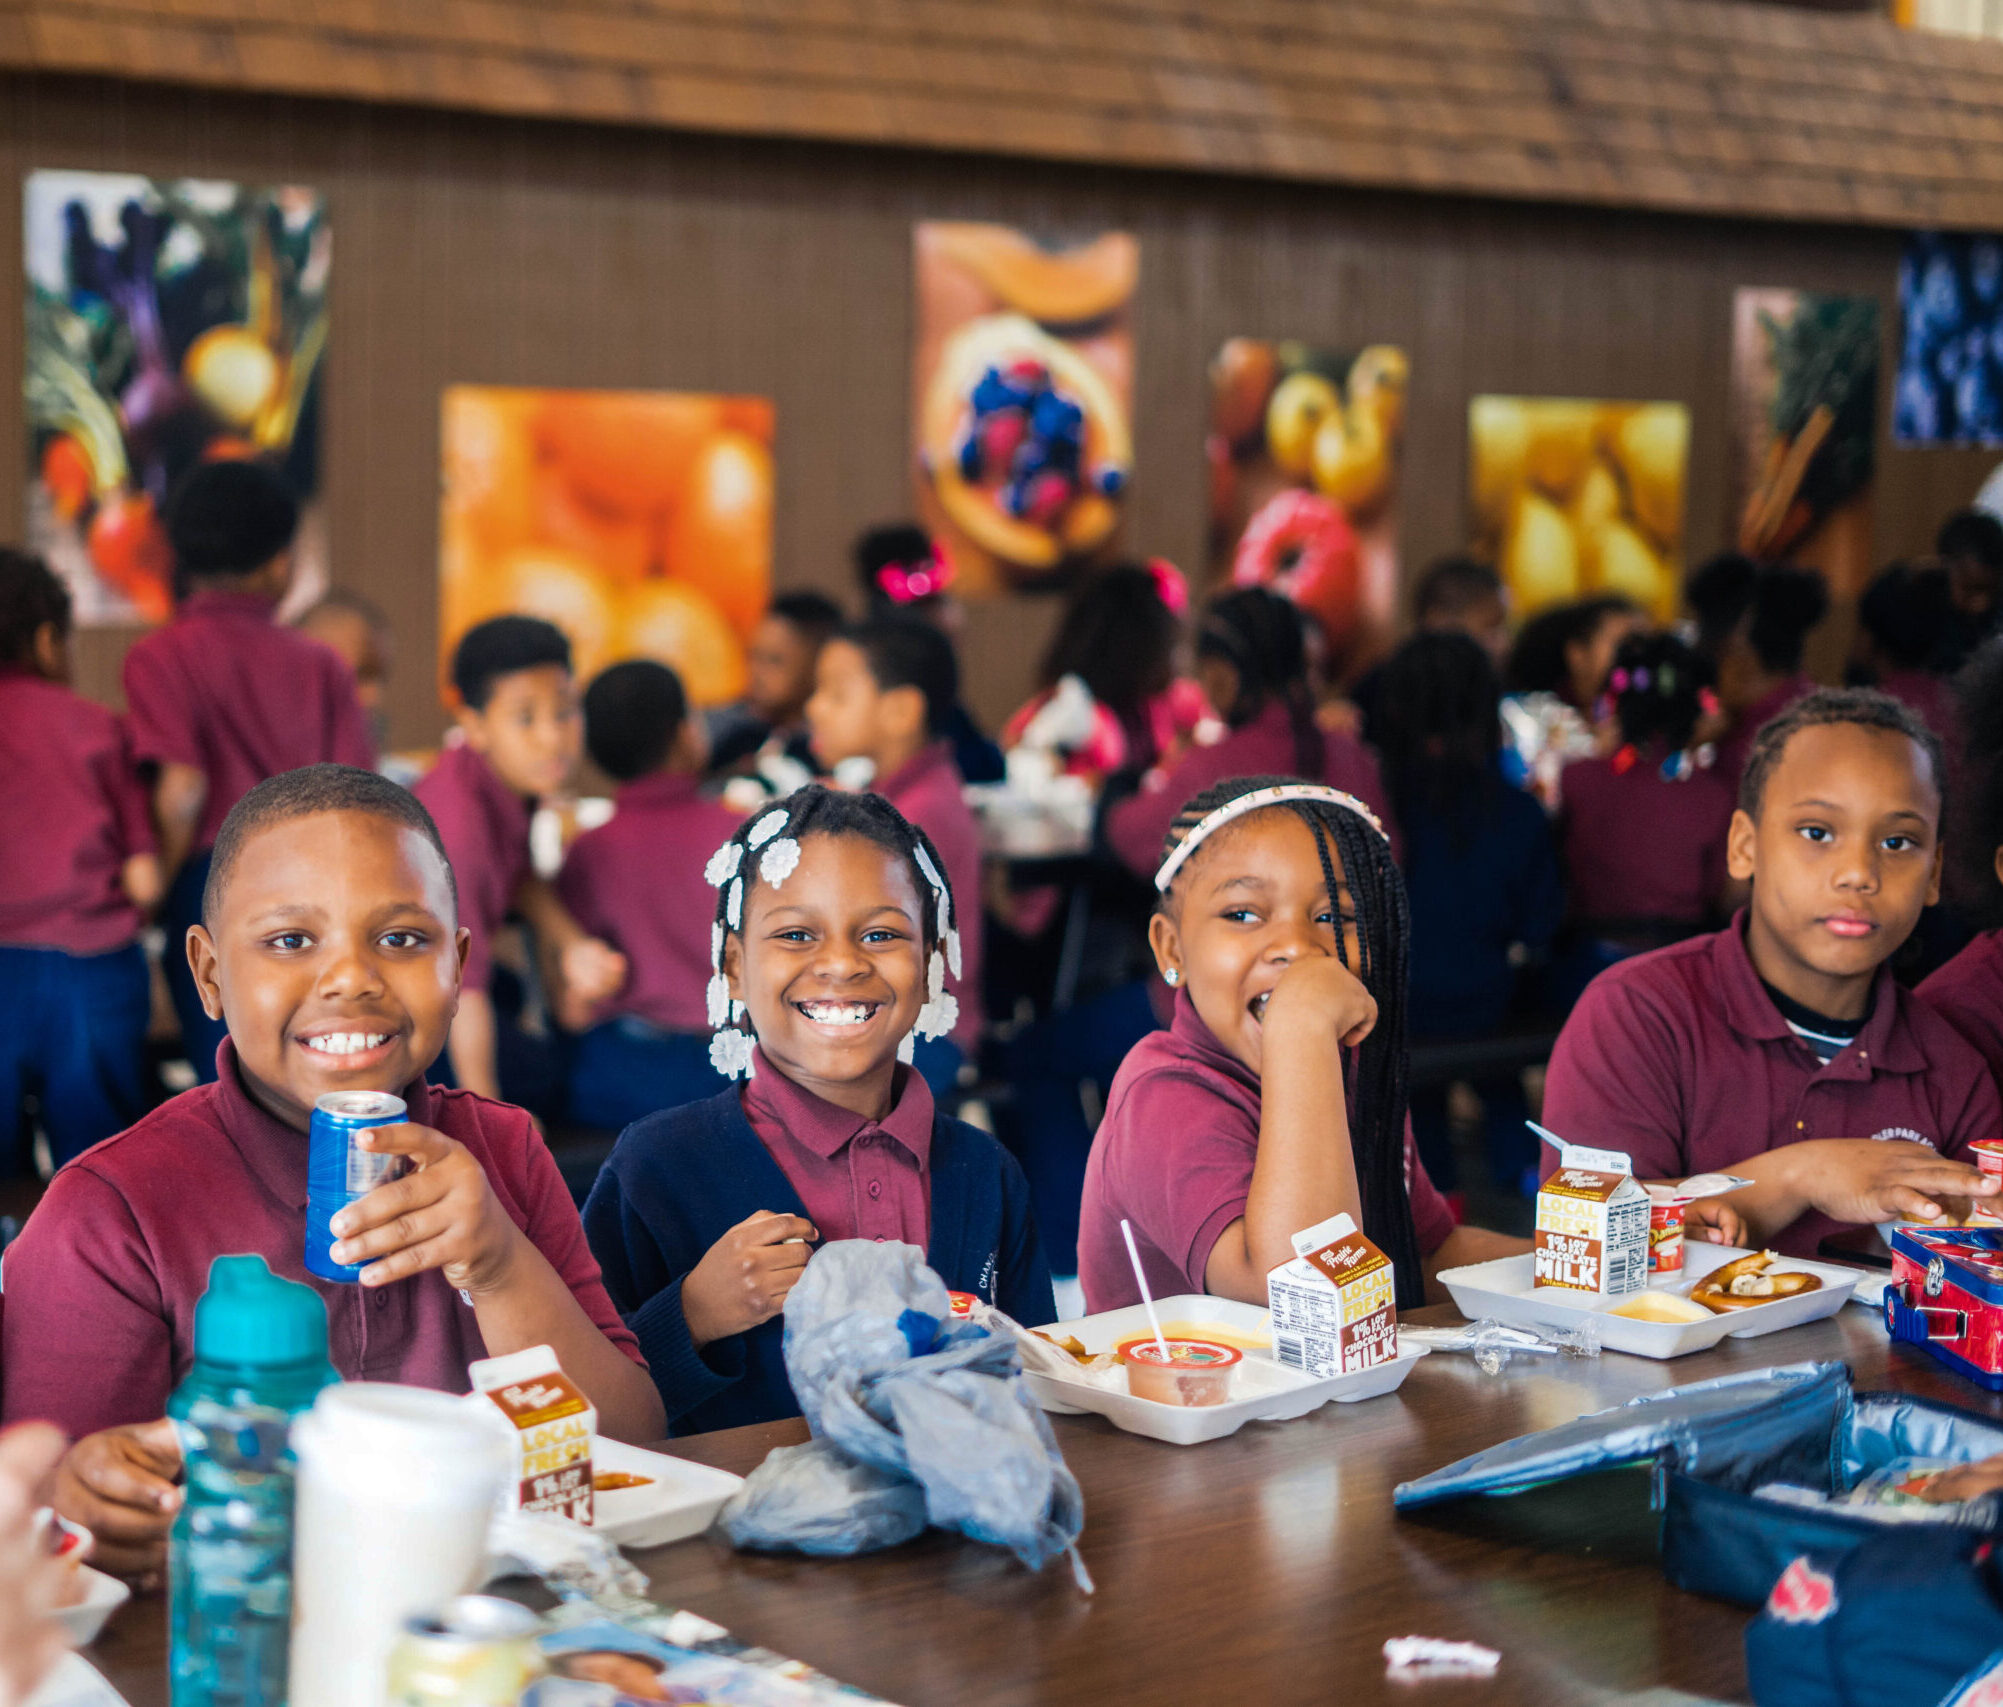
(1666, 1204)
(1198, 1372)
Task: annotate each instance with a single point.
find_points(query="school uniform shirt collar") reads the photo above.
(1187, 1028)
(272, 1152)
(220, 601)
(918, 769)
(663, 788)
(1885, 1045)
(826, 1129)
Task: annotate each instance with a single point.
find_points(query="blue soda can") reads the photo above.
(337, 1173)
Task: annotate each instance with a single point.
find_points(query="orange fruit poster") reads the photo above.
(639, 522)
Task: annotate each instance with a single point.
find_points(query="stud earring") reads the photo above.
(1171, 977)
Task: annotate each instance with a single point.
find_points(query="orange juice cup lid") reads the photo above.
(1183, 1354)
(963, 1303)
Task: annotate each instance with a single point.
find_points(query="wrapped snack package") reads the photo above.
(901, 1396)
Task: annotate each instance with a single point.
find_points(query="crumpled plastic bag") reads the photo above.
(917, 1419)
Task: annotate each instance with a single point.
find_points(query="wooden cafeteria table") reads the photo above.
(1265, 1568)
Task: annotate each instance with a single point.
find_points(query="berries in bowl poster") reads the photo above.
(638, 522)
(1303, 449)
(1022, 400)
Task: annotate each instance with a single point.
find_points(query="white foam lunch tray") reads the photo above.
(1264, 1390)
(84, 1621)
(680, 1500)
(1503, 1291)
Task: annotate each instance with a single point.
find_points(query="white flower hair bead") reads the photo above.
(780, 859)
(730, 1053)
(718, 997)
(938, 1016)
(925, 865)
(907, 1051)
(935, 975)
(733, 905)
(953, 951)
(723, 864)
(716, 945)
(737, 1013)
(766, 828)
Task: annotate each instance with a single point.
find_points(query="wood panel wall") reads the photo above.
(520, 252)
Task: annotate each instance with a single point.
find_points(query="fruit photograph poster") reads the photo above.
(1022, 387)
(1303, 453)
(169, 322)
(638, 522)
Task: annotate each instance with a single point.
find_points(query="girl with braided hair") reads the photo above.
(1251, 662)
(1277, 1096)
(835, 930)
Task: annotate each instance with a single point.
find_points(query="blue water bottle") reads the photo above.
(260, 1358)
(337, 1172)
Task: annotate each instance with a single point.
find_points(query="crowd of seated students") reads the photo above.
(1713, 875)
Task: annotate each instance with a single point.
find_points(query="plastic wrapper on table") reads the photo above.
(900, 1396)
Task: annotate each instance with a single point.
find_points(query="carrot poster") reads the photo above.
(1023, 383)
(639, 522)
(169, 322)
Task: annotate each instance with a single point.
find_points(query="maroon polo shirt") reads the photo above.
(1263, 747)
(1174, 1155)
(928, 791)
(224, 688)
(636, 882)
(485, 827)
(102, 1283)
(1639, 846)
(1680, 1059)
(71, 814)
(856, 1178)
(1737, 746)
(1968, 990)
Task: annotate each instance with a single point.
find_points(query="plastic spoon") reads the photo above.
(1147, 1297)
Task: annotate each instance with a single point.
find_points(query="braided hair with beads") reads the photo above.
(766, 847)
(1354, 851)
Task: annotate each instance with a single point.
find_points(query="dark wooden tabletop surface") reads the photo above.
(1265, 1568)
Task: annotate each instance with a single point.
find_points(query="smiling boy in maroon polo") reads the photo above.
(1780, 1048)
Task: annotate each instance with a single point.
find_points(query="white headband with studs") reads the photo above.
(1259, 799)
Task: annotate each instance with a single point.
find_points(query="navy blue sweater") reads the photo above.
(679, 1180)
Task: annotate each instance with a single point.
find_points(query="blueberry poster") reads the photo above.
(1303, 449)
(1022, 393)
(1950, 384)
(169, 322)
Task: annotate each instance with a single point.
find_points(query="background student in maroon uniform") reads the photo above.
(1969, 988)
(223, 697)
(1781, 1048)
(77, 874)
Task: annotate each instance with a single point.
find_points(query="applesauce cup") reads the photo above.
(1198, 1372)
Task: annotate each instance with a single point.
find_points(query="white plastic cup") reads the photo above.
(396, 1488)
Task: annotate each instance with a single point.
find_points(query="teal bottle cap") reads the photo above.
(250, 1316)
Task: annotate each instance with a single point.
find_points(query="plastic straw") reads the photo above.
(1147, 1297)
(1548, 1136)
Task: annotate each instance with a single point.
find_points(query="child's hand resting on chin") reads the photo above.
(1318, 995)
(442, 1214)
(744, 1277)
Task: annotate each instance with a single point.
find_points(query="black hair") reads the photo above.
(1116, 636)
(1907, 611)
(895, 545)
(1864, 708)
(30, 598)
(303, 793)
(1537, 662)
(632, 714)
(230, 518)
(499, 647)
(1452, 585)
(1719, 592)
(817, 810)
(908, 652)
(1786, 604)
(1978, 824)
(1352, 851)
(1439, 727)
(1261, 636)
(1658, 684)
(815, 615)
(1972, 533)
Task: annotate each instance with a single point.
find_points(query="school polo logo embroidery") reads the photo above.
(1803, 1595)
(1903, 1135)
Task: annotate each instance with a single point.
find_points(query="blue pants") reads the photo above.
(73, 1033)
(626, 1069)
(201, 1036)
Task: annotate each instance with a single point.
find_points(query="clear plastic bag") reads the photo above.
(917, 1419)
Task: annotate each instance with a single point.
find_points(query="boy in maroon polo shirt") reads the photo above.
(223, 697)
(1780, 1048)
(637, 883)
(77, 872)
(332, 951)
(520, 733)
(884, 690)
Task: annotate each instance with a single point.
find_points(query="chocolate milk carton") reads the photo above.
(1333, 1305)
(554, 1424)
(1592, 1225)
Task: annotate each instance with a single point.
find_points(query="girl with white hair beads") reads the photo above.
(1276, 1098)
(835, 931)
